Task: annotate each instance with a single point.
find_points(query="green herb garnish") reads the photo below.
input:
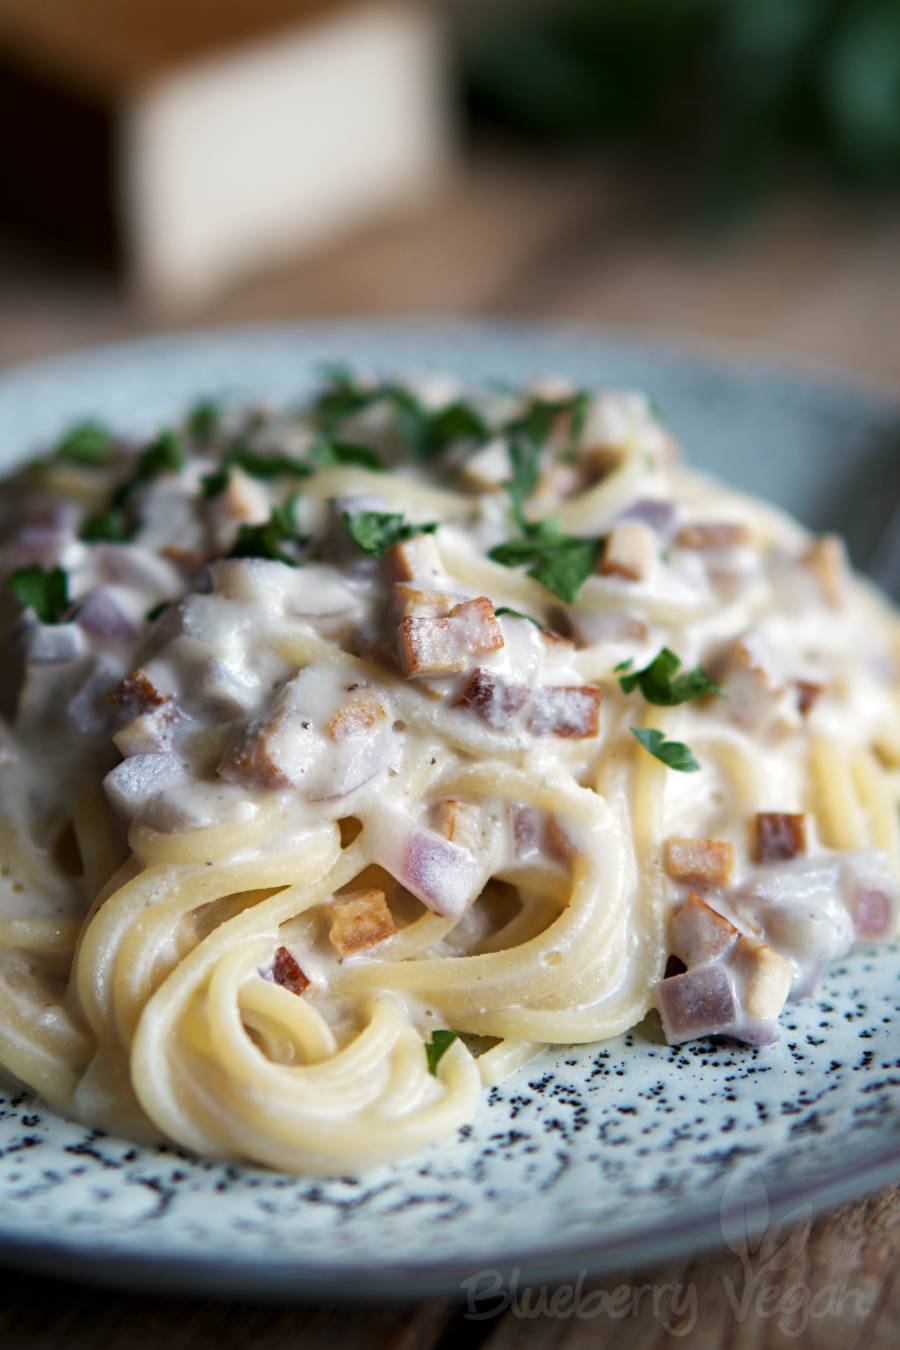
(457, 422)
(153, 614)
(559, 561)
(426, 433)
(87, 443)
(204, 421)
(266, 540)
(47, 593)
(214, 484)
(164, 455)
(327, 454)
(437, 1047)
(517, 614)
(661, 684)
(111, 526)
(674, 754)
(523, 461)
(260, 465)
(375, 531)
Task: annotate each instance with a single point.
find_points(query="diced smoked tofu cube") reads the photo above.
(286, 971)
(872, 911)
(360, 920)
(136, 694)
(459, 822)
(700, 1002)
(558, 844)
(446, 646)
(271, 752)
(495, 699)
(103, 619)
(778, 836)
(243, 499)
(134, 782)
(807, 696)
(756, 700)
(699, 862)
(764, 977)
(827, 558)
(363, 712)
(148, 733)
(570, 711)
(698, 933)
(725, 534)
(413, 599)
(629, 551)
(442, 875)
(489, 467)
(415, 559)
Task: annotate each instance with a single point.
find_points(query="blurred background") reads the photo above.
(720, 171)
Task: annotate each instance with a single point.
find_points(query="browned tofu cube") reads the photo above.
(488, 468)
(764, 978)
(808, 695)
(698, 933)
(629, 551)
(136, 694)
(446, 646)
(778, 836)
(699, 862)
(364, 711)
(148, 733)
(565, 710)
(270, 752)
(410, 598)
(495, 699)
(700, 1002)
(459, 822)
(827, 558)
(286, 971)
(361, 920)
(415, 559)
(725, 534)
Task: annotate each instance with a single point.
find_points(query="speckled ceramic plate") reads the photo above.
(589, 1158)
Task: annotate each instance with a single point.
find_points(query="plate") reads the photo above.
(591, 1158)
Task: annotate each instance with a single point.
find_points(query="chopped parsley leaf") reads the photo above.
(153, 614)
(266, 540)
(661, 684)
(260, 465)
(674, 754)
(164, 455)
(214, 484)
(437, 1047)
(426, 433)
(47, 593)
(517, 614)
(561, 562)
(523, 459)
(375, 531)
(456, 422)
(87, 443)
(111, 527)
(327, 454)
(204, 421)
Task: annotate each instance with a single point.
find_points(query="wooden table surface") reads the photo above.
(816, 281)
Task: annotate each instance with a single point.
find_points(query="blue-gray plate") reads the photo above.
(590, 1158)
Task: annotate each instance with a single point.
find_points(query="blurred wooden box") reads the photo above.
(190, 141)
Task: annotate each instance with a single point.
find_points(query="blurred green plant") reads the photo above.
(738, 90)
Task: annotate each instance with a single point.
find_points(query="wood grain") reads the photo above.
(812, 280)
